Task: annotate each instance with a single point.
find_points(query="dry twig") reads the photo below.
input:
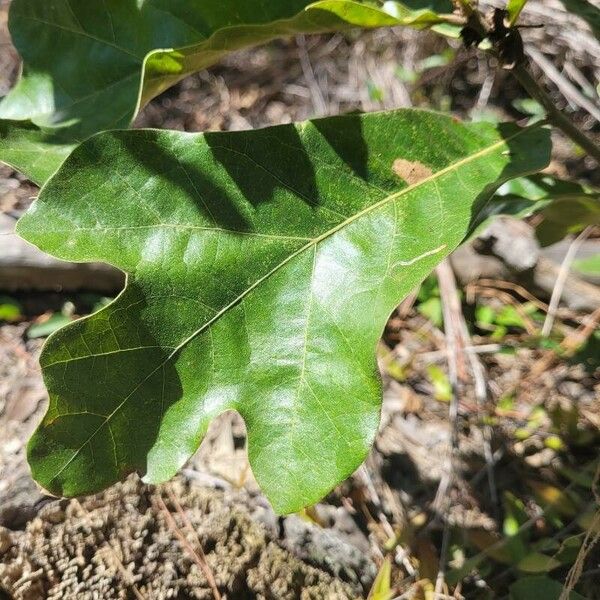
(198, 557)
(456, 368)
(559, 287)
(591, 539)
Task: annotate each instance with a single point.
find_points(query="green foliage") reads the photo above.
(514, 8)
(442, 388)
(48, 327)
(589, 353)
(566, 207)
(589, 266)
(539, 586)
(514, 517)
(262, 267)
(10, 309)
(429, 301)
(568, 216)
(382, 586)
(84, 70)
(536, 562)
(499, 321)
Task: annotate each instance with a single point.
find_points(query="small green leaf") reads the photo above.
(523, 433)
(566, 216)
(382, 586)
(485, 315)
(528, 106)
(509, 316)
(566, 207)
(442, 389)
(569, 549)
(506, 402)
(514, 8)
(436, 60)
(48, 327)
(406, 75)
(589, 353)
(554, 443)
(375, 93)
(10, 310)
(588, 266)
(514, 517)
(432, 310)
(499, 333)
(536, 562)
(262, 267)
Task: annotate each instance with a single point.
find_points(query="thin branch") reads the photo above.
(561, 280)
(318, 101)
(555, 116)
(481, 395)
(591, 539)
(531, 86)
(451, 308)
(568, 90)
(198, 558)
(367, 481)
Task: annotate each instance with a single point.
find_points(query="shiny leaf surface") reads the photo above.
(262, 267)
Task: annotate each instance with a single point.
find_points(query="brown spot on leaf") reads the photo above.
(411, 172)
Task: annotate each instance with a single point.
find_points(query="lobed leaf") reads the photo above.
(90, 65)
(262, 267)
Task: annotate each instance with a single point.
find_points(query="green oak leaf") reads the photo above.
(35, 152)
(90, 65)
(261, 269)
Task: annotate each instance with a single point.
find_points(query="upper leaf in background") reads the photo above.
(90, 65)
(262, 267)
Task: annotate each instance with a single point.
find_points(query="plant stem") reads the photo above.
(555, 116)
(521, 72)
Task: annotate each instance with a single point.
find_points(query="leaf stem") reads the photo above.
(555, 116)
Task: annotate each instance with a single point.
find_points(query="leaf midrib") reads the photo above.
(261, 280)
